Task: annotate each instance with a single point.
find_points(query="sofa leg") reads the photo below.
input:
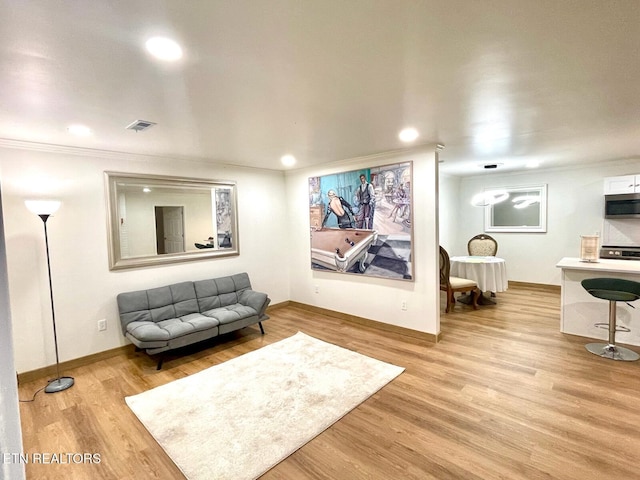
(261, 329)
(160, 363)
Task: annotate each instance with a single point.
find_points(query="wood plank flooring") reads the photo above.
(504, 395)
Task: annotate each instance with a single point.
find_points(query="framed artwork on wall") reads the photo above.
(361, 221)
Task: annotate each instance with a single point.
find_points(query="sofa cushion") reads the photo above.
(221, 292)
(172, 301)
(231, 313)
(147, 331)
(256, 300)
(171, 328)
(184, 298)
(133, 307)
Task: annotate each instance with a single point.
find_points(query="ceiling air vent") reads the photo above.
(140, 125)
(491, 166)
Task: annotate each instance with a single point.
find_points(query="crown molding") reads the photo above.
(115, 155)
(96, 152)
(72, 150)
(373, 158)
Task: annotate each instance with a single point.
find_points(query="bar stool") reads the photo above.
(614, 290)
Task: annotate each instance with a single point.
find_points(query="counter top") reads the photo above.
(603, 265)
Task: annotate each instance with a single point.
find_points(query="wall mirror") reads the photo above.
(516, 209)
(155, 220)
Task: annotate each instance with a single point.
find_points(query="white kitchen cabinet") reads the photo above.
(622, 184)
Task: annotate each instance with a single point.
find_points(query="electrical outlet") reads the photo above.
(102, 325)
(403, 305)
(317, 289)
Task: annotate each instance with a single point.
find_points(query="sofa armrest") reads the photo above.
(256, 300)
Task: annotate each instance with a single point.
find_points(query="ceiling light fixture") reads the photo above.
(408, 135)
(164, 49)
(525, 200)
(79, 130)
(484, 199)
(288, 160)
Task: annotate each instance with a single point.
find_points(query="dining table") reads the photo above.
(489, 272)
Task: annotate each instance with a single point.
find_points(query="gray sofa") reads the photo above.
(173, 316)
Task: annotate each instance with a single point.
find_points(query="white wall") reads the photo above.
(449, 206)
(84, 288)
(10, 433)
(575, 207)
(373, 298)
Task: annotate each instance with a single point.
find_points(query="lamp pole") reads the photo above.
(38, 207)
(60, 383)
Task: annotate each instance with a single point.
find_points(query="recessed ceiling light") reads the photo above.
(164, 49)
(288, 160)
(146, 190)
(79, 130)
(533, 164)
(408, 135)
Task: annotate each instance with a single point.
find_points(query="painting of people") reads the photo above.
(361, 221)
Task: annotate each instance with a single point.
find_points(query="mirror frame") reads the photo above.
(542, 220)
(117, 262)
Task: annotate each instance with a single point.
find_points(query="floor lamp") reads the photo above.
(44, 209)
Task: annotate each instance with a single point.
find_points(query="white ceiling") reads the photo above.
(504, 82)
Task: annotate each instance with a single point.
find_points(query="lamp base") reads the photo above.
(59, 384)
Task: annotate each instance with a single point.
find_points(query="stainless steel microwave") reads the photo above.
(626, 205)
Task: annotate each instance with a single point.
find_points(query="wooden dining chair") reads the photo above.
(482, 245)
(453, 285)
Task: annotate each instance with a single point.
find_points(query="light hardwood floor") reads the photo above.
(504, 395)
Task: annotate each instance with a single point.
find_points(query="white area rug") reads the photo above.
(238, 419)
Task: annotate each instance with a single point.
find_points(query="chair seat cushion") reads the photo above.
(457, 282)
(617, 289)
(614, 295)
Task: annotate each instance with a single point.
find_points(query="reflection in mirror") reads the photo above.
(155, 220)
(522, 209)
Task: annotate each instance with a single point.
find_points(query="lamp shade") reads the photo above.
(43, 207)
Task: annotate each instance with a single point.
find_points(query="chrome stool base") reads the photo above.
(612, 352)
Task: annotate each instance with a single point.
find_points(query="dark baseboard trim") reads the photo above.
(540, 286)
(367, 322)
(276, 306)
(50, 371)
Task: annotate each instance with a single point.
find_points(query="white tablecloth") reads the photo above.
(489, 272)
